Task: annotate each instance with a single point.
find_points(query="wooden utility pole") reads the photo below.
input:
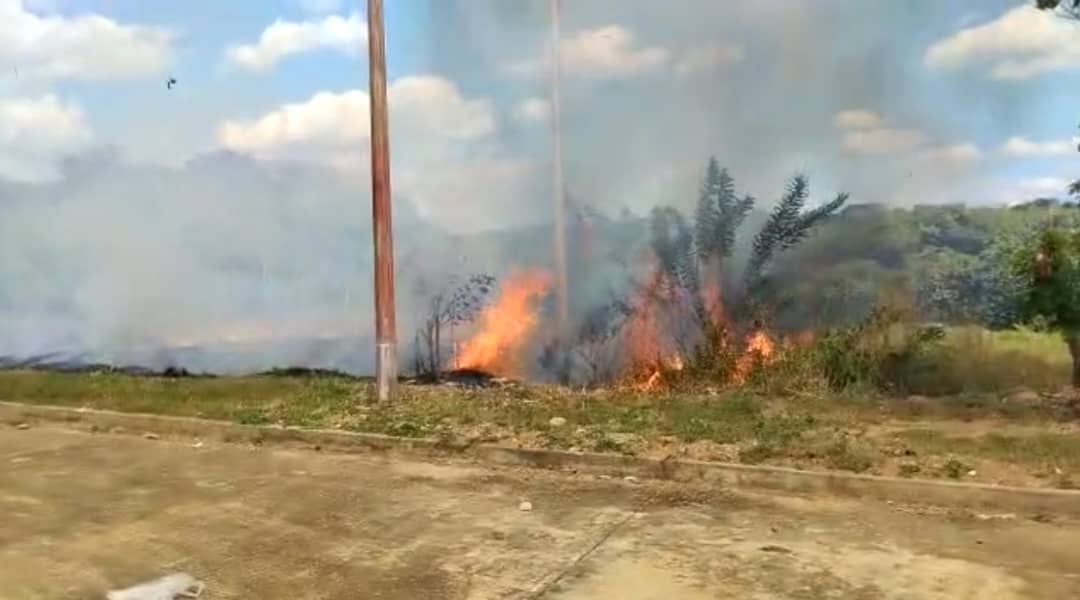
(559, 187)
(386, 369)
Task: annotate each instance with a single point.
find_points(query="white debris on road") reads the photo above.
(178, 586)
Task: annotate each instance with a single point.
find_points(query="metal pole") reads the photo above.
(385, 328)
(559, 191)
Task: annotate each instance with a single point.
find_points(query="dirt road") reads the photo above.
(81, 514)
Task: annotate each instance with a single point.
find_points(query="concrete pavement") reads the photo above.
(84, 513)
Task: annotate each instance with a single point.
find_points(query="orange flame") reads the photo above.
(506, 325)
(648, 348)
(655, 379)
(643, 335)
(760, 349)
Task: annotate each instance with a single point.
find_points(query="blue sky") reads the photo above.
(767, 87)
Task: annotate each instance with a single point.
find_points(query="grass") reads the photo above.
(972, 359)
(859, 432)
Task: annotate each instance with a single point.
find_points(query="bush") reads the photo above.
(880, 352)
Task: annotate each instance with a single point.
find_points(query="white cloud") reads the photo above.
(1022, 43)
(445, 153)
(867, 132)
(284, 38)
(608, 52)
(36, 134)
(710, 57)
(424, 109)
(956, 154)
(1020, 147)
(1047, 186)
(1012, 192)
(533, 110)
(86, 47)
(858, 119)
(883, 140)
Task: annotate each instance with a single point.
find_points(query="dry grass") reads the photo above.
(973, 359)
(860, 432)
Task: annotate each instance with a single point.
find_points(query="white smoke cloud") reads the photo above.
(608, 52)
(1023, 147)
(36, 134)
(1020, 44)
(533, 110)
(282, 39)
(84, 47)
(709, 57)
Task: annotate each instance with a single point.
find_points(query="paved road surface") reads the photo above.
(81, 514)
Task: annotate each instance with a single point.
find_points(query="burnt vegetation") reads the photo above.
(453, 305)
(853, 295)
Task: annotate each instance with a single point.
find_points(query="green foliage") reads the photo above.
(1070, 8)
(673, 244)
(955, 469)
(1048, 271)
(682, 249)
(875, 352)
(787, 226)
(720, 213)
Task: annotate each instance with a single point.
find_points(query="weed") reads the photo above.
(954, 469)
(803, 427)
(842, 455)
(909, 469)
(251, 416)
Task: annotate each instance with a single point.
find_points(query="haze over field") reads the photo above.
(232, 212)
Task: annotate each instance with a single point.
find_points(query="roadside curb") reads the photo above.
(751, 477)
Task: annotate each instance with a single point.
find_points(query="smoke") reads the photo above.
(252, 262)
(241, 264)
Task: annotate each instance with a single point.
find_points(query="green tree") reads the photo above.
(694, 255)
(788, 225)
(1047, 271)
(1069, 8)
(720, 212)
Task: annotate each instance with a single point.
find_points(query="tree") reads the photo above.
(1069, 8)
(1048, 273)
(692, 257)
(787, 226)
(448, 307)
(719, 214)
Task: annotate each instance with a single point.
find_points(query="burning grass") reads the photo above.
(1003, 443)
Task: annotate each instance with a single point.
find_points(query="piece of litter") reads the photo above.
(525, 506)
(197, 444)
(150, 436)
(23, 426)
(630, 479)
(169, 587)
(972, 473)
(776, 549)
(557, 421)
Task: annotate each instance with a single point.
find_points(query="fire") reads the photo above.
(656, 378)
(760, 349)
(644, 335)
(506, 326)
(650, 348)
